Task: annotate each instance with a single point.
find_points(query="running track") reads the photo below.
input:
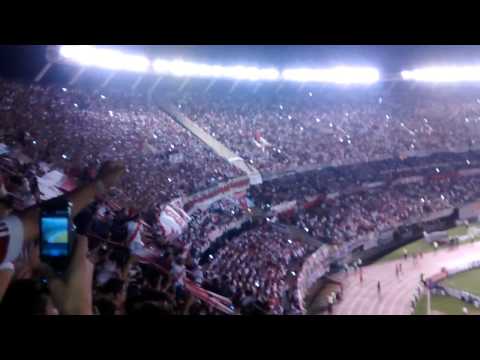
(396, 294)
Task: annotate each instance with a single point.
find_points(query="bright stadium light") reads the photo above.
(337, 75)
(443, 74)
(251, 73)
(88, 55)
(189, 69)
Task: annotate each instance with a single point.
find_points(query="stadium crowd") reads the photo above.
(348, 178)
(138, 270)
(77, 129)
(260, 266)
(203, 224)
(347, 217)
(336, 127)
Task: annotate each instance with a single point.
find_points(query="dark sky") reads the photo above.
(25, 61)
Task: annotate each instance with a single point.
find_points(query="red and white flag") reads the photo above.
(173, 220)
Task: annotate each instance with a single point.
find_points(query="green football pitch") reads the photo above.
(468, 281)
(420, 245)
(444, 305)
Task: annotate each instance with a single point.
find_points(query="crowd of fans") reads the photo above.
(76, 129)
(135, 272)
(200, 233)
(331, 180)
(356, 138)
(336, 127)
(258, 270)
(347, 217)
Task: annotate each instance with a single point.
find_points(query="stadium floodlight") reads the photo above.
(443, 74)
(188, 69)
(88, 55)
(337, 75)
(251, 73)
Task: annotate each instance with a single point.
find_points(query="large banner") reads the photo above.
(284, 207)
(204, 199)
(436, 236)
(173, 220)
(408, 180)
(373, 185)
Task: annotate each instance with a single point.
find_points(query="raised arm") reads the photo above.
(23, 227)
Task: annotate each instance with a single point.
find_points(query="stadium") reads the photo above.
(207, 188)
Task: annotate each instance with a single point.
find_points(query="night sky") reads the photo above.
(21, 61)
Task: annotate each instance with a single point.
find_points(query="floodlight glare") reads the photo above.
(252, 73)
(88, 55)
(443, 74)
(184, 68)
(337, 75)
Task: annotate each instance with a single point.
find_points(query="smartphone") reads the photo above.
(56, 234)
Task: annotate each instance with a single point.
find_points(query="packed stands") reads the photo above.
(344, 164)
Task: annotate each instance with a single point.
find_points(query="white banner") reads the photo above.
(373, 184)
(204, 199)
(173, 220)
(333, 195)
(409, 180)
(438, 236)
(285, 206)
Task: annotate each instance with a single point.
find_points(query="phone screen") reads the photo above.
(55, 232)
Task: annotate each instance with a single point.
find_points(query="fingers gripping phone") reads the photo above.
(56, 234)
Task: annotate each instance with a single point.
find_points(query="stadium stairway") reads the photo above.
(219, 148)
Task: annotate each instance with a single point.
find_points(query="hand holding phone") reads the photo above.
(72, 293)
(56, 235)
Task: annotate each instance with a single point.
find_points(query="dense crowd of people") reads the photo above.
(334, 179)
(134, 272)
(200, 233)
(355, 138)
(77, 129)
(347, 217)
(258, 270)
(336, 127)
